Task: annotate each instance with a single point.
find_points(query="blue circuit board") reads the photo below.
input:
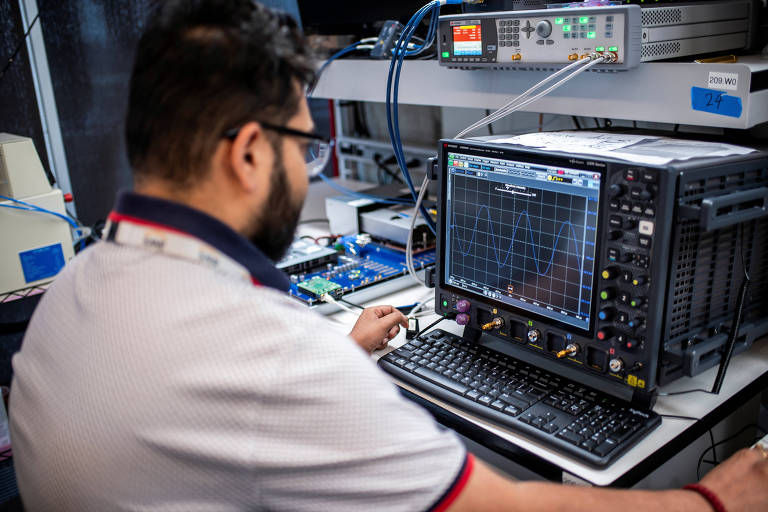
(362, 265)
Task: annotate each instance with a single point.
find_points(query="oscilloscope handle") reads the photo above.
(432, 168)
(729, 209)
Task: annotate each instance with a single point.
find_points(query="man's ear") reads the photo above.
(250, 156)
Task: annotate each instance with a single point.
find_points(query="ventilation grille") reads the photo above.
(708, 274)
(708, 271)
(693, 191)
(661, 16)
(659, 49)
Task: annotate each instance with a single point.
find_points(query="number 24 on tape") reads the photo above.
(715, 102)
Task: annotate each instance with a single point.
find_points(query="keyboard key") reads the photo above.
(498, 405)
(527, 417)
(512, 410)
(411, 366)
(474, 394)
(511, 400)
(571, 437)
(485, 400)
(605, 448)
(438, 379)
(550, 427)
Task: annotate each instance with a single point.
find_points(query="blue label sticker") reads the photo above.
(715, 102)
(42, 263)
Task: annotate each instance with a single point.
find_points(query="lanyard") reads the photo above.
(135, 232)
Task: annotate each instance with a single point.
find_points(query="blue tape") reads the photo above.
(42, 263)
(715, 102)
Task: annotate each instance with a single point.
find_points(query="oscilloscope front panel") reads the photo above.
(566, 251)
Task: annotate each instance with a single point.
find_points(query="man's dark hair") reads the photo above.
(201, 68)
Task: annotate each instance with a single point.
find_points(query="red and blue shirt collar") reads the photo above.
(141, 209)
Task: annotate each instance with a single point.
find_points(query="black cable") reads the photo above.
(714, 446)
(345, 301)
(686, 392)
(444, 317)
(576, 122)
(735, 324)
(383, 167)
(675, 417)
(313, 221)
(18, 48)
(734, 436)
(490, 128)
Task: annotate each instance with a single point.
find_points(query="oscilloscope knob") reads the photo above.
(607, 314)
(462, 306)
(605, 334)
(616, 190)
(609, 273)
(534, 335)
(608, 293)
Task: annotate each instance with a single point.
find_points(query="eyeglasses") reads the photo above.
(318, 150)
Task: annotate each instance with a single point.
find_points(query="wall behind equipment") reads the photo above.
(90, 46)
(18, 104)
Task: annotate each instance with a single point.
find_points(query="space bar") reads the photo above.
(441, 380)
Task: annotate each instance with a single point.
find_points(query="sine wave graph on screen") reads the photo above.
(530, 244)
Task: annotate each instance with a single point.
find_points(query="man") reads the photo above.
(166, 369)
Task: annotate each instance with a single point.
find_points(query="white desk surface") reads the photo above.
(744, 369)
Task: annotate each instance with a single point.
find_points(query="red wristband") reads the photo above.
(707, 495)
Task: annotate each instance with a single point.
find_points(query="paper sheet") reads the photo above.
(644, 149)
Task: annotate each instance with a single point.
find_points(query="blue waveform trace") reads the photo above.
(512, 241)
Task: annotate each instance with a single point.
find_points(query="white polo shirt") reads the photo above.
(151, 382)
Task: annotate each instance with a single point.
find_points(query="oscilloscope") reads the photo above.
(620, 275)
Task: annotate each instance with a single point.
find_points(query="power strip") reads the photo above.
(541, 38)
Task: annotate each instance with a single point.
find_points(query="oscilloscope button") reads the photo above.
(648, 176)
(622, 317)
(614, 234)
(626, 276)
(613, 204)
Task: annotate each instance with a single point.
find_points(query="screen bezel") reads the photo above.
(498, 151)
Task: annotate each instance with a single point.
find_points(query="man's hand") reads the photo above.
(376, 326)
(741, 482)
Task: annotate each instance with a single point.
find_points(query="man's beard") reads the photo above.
(279, 218)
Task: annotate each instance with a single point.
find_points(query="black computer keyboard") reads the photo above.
(592, 426)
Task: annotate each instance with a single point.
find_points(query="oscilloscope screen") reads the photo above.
(522, 234)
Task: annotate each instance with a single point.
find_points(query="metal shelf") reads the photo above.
(656, 92)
